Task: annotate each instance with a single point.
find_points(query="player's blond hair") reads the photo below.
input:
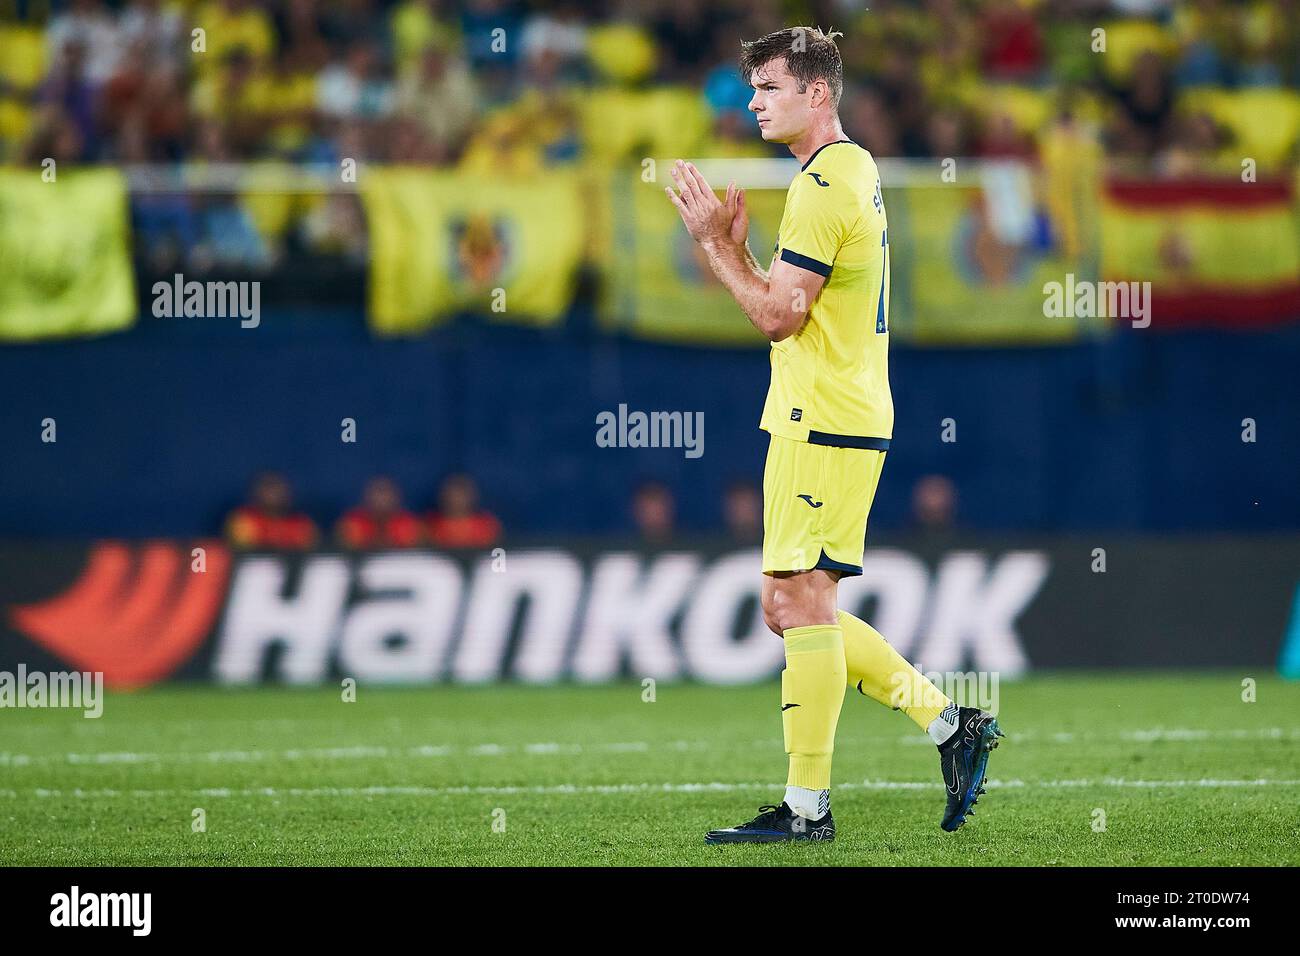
(809, 55)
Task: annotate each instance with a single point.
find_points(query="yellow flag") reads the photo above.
(65, 265)
(660, 283)
(505, 248)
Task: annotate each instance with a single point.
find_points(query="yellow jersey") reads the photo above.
(830, 380)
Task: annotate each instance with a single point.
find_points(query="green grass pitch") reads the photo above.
(1183, 770)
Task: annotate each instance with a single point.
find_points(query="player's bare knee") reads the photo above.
(773, 623)
(776, 610)
(785, 608)
(770, 616)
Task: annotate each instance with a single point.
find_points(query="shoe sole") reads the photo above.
(711, 840)
(988, 742)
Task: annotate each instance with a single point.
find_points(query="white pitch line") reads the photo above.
(622, 788)
(546, 749)
(360, 752)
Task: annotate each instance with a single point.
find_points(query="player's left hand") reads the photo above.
(707, 218)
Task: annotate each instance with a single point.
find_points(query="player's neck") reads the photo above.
(817, 136)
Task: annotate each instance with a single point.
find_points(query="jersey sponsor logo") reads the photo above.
(818, 180)
(785, 707)
(808, 498)
(796, 414)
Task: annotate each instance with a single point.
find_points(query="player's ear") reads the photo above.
(821, 93)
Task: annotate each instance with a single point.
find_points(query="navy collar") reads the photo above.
(820, 148)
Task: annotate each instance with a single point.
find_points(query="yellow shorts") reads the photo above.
(816, 499)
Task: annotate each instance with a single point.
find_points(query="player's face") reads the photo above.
(782, 111)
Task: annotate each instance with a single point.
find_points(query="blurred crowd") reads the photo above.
(510, 87)
(271, 520)
(654, 511)
(499, 84)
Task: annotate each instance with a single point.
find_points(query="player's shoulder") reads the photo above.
(838, 169)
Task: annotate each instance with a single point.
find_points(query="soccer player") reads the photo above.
(824, 304)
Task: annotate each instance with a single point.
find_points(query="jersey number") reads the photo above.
(881, 326)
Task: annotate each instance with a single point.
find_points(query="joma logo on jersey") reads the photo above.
(818, 179)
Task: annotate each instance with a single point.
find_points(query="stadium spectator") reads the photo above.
(1144, 122)
(379, 521)
(934, 505)
(343, 22)
(559, 33)
(442, 98)
(491, 31)
(414, 26)
(92, 30)
(228, 236)
(300, 28)
(156, 31)
(867, 121)
(355, 87)
(684, 30)
(459, 521)
(70, 95)
(268, 522)
(231, 25)
(743, 505)
(654, 512)
(1012, 46)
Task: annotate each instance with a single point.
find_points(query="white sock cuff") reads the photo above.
(809, 804)
(945, 725)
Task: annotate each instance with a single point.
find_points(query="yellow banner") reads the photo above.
(65, 264)
(972, 264)
(969, 267)
(506, 248)
(660, 284)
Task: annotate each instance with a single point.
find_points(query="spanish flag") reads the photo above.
(1216, 252)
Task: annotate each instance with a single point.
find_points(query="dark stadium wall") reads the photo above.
(159, 429)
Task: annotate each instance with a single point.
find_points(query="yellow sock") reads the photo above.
(884, 675)
(812, 692)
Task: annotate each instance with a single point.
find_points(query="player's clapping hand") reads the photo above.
(707, 218)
